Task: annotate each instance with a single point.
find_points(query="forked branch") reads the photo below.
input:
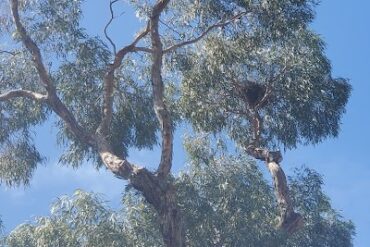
(103, 128)
(289, 220)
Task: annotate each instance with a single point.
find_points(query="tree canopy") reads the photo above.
(225, 200)
(251, 70)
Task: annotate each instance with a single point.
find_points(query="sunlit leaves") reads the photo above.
(80, 220)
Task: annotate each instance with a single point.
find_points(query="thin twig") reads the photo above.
(9, 52)
(108, 24)
(219, 24)
(169, 27)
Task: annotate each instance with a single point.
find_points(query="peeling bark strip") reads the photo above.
(289, 220)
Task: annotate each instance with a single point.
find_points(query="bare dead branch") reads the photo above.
(19, 93)
(9, 52)
(209, 29)
(108, 24)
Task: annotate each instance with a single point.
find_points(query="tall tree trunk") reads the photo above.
(161, 193)
(158, 190)
(289, 220)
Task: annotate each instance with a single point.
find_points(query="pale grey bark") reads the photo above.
(289, 220)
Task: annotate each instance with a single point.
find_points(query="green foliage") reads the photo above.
(80, 220)
(77, 64)
(271, 46)
(276, 51)
(321, 219)
(224, 200)
(18, 161)
(53, 24)
(18, 156)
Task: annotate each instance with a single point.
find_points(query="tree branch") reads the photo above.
(160, 107)
(108, 24)
(156, 190)
(53, 100)
(32, 48)
(109, 81)
(289, 220)
(209, 29)
(23, 94)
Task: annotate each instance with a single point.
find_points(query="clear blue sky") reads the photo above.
(344, 25)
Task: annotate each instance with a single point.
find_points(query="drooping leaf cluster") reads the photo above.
(18, 154)
(225, 202)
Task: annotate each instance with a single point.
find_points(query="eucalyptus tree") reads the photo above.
(250, 68)
(217, 195)
(266, 82)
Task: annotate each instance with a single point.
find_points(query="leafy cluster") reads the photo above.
(225, 202)
(272, 47)
(77, 65)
